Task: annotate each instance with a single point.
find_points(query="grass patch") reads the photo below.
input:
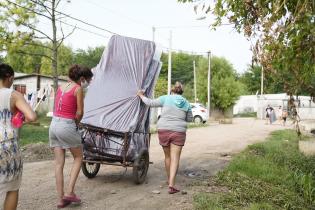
(247, 114)
(35, 133)
(197, 125)
(268, 175)
(38, 132)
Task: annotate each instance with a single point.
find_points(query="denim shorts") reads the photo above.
(63, 133)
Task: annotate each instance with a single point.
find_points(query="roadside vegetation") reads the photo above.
(268, 175)
(247, 114)
(38, 132)
(35, 132)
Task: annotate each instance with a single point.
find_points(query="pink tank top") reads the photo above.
(66, 103)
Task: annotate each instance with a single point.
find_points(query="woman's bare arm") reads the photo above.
(80, 106)
(19, 103)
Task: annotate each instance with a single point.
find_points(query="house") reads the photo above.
(37, 89)
(26, 83)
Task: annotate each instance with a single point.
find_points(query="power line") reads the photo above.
(97, 27)
(82, 29)
(77, 19)
(18, 5)
(174, 27)
(118, 14)
(192, 26)
(31, 10)
(184, 51)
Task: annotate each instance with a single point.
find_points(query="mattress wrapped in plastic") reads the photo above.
(127, 65)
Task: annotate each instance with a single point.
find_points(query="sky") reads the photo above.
(135, 18)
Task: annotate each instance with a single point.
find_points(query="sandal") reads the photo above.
(72, 198)
(172, 190)
(63, 204)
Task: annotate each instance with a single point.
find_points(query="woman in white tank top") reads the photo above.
(11, 164)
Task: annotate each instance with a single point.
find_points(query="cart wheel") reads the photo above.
(141, 166)
(90, 169)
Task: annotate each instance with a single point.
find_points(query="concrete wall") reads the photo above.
(30, 83)
(306, 113)
(262, 105)
(251, 103)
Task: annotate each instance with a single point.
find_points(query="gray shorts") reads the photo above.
(63, 133)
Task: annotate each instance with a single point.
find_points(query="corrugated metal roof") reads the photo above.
(18, 76)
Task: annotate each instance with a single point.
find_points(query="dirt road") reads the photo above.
(207, 150)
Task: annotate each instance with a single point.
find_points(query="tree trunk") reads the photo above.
(54, 47)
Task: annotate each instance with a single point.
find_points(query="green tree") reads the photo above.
(182, 71)
(252, 80)
(189, 91)
(221, 71)
(64, 60)
(18, 26)
(89, 57)
(285, 34)
(182, 67)
(23, 60)
(160, 87)
(13, 20)
(30, 57)
(225, 89)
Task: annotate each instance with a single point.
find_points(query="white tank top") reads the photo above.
(7, 132)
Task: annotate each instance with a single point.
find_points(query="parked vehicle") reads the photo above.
(200, 113)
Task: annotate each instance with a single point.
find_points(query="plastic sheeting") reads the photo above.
(127, 65)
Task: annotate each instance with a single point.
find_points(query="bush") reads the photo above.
(246, 114)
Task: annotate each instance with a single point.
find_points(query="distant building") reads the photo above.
(36, 87)
(28, 83)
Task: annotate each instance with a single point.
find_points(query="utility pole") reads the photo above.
(262, 81)
(169, 75)
(153, 33)
(195, 82)
(262, 91)
(153, 110)
(209, 82)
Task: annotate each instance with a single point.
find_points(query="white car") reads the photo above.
(200, 113)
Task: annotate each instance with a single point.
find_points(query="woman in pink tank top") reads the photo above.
(63, 132)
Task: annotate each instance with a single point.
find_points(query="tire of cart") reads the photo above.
(90, 170)
(141, 166)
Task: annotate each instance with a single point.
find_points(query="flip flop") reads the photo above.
(72, 198)
(172, 190)
(63, 204)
